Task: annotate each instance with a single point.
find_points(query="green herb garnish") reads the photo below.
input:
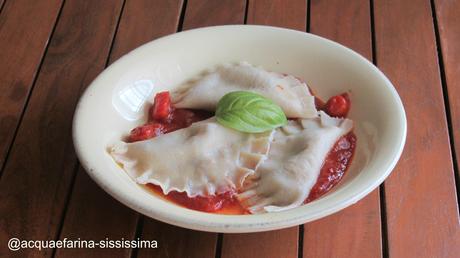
(249, 112)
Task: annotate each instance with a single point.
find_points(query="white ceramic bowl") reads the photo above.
(116, 101)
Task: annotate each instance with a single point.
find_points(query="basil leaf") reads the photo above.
(249, 112)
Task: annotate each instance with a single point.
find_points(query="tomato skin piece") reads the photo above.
(145, 132)
(161, 109)
(338, 106)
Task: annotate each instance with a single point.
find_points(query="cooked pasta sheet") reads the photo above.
(203, 159)
(287, 91)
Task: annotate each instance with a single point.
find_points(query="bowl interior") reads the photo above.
(116, 102)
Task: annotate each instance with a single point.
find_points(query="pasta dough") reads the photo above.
(293, 164)
(203, 159)
(288, 92)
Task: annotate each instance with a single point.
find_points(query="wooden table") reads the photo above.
(52, 49)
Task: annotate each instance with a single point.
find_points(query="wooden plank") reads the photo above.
(280, 243)
(355, 231)
(280, 13)
(177, 242)
(41, 165)
(202, 13)
(92, 214)
(448, 17)
(422, 213)
(174, 241)
(25, 27)
(345, 22)
(1, 5)
(143, 21)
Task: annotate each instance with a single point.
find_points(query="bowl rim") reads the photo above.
(239, 223)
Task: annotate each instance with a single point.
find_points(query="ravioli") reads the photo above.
(203, 159)
(287, 91)
(297, 153)
(265, 172)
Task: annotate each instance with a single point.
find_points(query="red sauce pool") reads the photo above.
(182, 118)
(225, 203)
(334, 167)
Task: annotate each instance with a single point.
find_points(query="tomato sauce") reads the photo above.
(182, 118)
(334, 167)
(225, 203)
(162, 122)
(177, 119)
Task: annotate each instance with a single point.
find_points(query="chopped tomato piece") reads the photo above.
(161, 107)
(145, 132)
(338, 106)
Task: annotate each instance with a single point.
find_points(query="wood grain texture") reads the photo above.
(1, 5)
(422, 212)
(25, 27)
(202, 13)
(93, 214)
(279, 243)
(177, 242)
(280, 13)
(346, 22)
(143, 21)
(41, 165)
(355, 231)
(174, 241)
(448, 17)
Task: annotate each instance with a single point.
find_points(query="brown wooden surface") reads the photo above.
(93, 214)
(354, 231)
(448, 18)
(25, 27)
(290, 14)
(421, 206)
(44, 194)
(177, 242)
(278, 243)
(201, 13)
(38, 174)
(1, 4)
